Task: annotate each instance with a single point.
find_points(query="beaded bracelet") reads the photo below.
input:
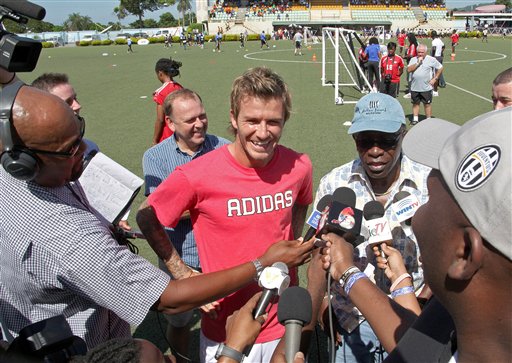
(399, 280)
(402, 291)
(352, 280)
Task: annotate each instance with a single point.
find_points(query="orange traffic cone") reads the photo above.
(314, 57)
(453, 57)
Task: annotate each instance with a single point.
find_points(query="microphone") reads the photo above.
(316, 215)
(274, 280)
(376, 228)
(294, 311)
(341, 217)
(404, 206)
(25, 8)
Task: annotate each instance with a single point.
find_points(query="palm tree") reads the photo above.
(183, 6)
(75, 21)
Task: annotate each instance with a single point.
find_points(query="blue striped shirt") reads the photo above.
(160, 161)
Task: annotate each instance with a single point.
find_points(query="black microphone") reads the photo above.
(376, 228)
(294, 311)
(25, 8)
(404, 206)
(316, 215)
(342, 217)
(274, 280)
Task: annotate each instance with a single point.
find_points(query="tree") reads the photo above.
(183, 7)
(507, 3)
(76, 21)
(150, 23)
(138, 7)
(167, 20)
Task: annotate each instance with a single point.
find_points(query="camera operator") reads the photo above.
(391, 68)
(58, 256)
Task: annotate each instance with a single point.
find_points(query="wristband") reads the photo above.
(259, 268)
(402, 291)
(224, 350)
(399, 280)
(352, 280)
(345, 275)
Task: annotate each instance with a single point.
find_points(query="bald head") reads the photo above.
(45, 124)
(46, 127)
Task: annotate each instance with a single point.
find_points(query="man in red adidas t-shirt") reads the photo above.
(391, 68)
(242, 198)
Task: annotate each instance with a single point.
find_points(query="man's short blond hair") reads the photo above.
(263, 83)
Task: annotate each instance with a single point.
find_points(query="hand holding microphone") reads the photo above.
(390, 260)
(274, 280)
(376, 228)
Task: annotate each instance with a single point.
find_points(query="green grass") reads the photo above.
(115, 91)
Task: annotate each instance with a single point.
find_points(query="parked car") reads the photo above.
(140, 35)
(56, 41)
(123, 36)
(90, 37)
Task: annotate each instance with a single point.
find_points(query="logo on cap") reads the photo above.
(477, 167)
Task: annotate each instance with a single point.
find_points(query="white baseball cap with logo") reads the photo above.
(475, 162)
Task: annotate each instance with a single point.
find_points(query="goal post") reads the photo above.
(340, 66)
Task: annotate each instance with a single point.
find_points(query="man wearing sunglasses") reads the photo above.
(380, 172)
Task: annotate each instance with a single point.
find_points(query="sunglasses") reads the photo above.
(385, 141)
(73, 149)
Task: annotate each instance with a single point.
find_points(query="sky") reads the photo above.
(102, 11)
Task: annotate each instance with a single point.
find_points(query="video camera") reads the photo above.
(19, 54)
(49, 341)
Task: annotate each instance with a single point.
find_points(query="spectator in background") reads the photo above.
(392, 67)
(298, 38)
(373, 53)
(263, 39)
(186, 117)
(129, 43)
(166, 69)
(401, 41)
(438, 53)
(410, 53)
(502, 89)
(363, 63)
(425, 71)
(218, 41)
(455, 40)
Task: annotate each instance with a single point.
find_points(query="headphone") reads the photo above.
(21, 163)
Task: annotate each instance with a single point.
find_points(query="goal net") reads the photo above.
(340, 65)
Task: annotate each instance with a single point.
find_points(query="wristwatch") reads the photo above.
(259, 268)
(224, 350)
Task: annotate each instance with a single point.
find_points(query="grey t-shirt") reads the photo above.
(424, 73)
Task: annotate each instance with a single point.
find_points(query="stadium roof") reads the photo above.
(490, 8)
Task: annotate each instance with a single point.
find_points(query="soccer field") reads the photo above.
(115, 90)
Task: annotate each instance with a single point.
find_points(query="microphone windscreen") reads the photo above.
(345, 195)
(282, 266)
(324, 202)
(294, 304)
(25, 8)
(400, 195)
(373, 210)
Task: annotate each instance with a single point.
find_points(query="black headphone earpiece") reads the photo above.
(17, 161)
